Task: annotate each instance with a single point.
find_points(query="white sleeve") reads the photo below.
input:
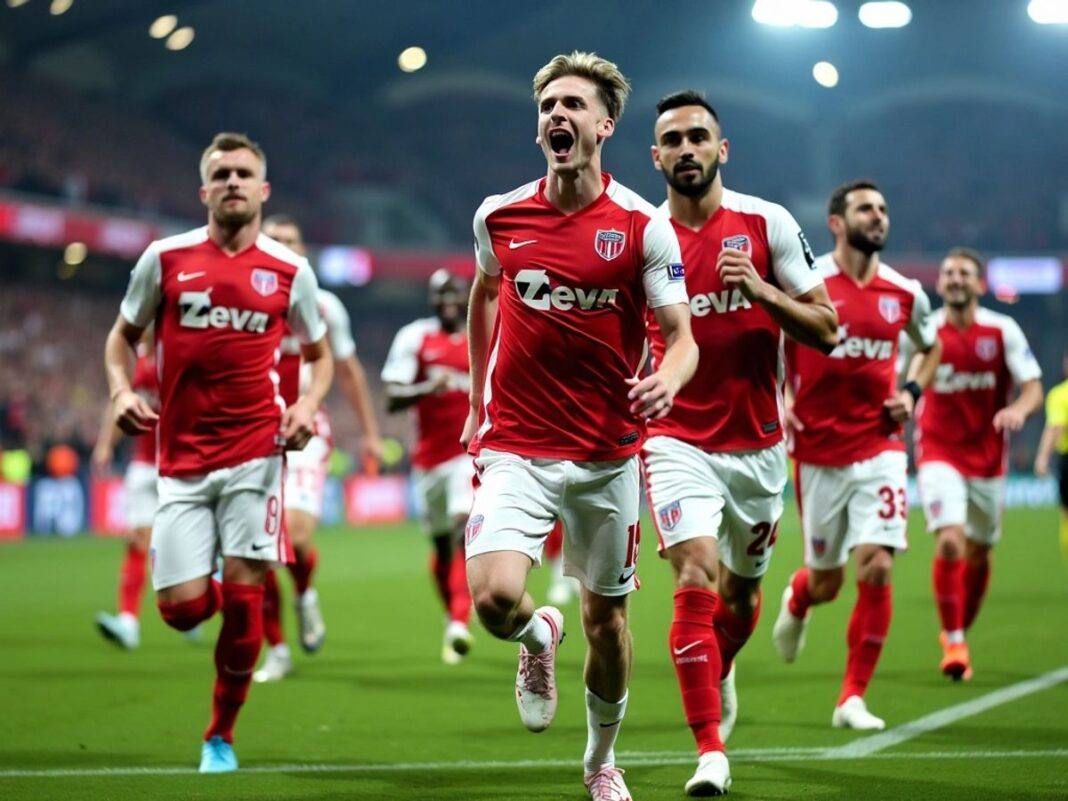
(662, 274)
(402, 363)
(1018, 356)
(143, 292)
(484, 255)
(338, 326)
(792, 259)
(906, 352)
(921, 325)
(305, 320)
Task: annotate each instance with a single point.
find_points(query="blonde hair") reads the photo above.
(225, 142)
(612, 87)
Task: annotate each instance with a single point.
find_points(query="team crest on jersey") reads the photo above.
(738, 242)
(819, 546)
(670, 515)
(474, 526)
(609, 244)
(986, 348)
(890, 308)
(264, 282)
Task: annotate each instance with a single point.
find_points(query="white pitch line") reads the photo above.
(866, 746)
(670, 758)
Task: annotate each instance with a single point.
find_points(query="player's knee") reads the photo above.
(694, 573)
(978, 555)
(950, 543)
(824, 586)
(494, 603)
(187, 615)
(877, 570)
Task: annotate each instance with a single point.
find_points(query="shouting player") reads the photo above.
(715, 467)
(962, 429)
(848, 443)
(426, 370)
(306, 469)
(221, 298)
(567, 265)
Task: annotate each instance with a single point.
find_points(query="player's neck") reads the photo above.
(573, 192)
(233, 239)
(962, 316)
(694, 212)
(859, 266)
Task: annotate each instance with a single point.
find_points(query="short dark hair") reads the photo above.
(837, 204)
(971, 255)
(687, 97)
(281, 219)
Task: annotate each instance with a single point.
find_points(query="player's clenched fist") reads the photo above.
(298, 424)
(653, 396)
(133, 414)
(900, 406)
(736, 270)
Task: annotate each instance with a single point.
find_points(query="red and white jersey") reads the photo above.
(980, 364)
(339, 330)
(146, 384)
(219, 321)
(839, 397)
(734, 400)
(570, 326)
(420, 351)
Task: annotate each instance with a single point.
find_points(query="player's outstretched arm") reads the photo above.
(481, 316)
(353, 382)
(653, 396)
(298, 421)
(130, 412)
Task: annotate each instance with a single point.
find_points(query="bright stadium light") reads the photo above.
(16, 3)
(180, 39)
(60, 7)
(1048, 12)
(791, 13)
(826, 74)
(885, 15)
(163, 26)
(75, 253)
(411, 59)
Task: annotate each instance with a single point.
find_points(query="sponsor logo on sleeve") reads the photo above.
(806, 249)
(609, 244)
(676, 272)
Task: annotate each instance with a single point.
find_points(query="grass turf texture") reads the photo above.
(378, 692)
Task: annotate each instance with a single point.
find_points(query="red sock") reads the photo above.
(800, 601)
(132, 580)
(948, 578)
(235, 655)
(696, 655)
(302, 567)
(272, 611)
(732, 632)
(865, 637)
(440, 570)
(459, 594)
(187, 615)
(976, 579)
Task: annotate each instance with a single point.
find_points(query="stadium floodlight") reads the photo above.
(60, 7)
(163, 26)
(826, 74)
(180, 39)
(16, 3)
(885, 15)
(1048, 12)
(795, 13)
(411, 59)
(75, 253)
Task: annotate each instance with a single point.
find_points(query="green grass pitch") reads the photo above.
(387, 720)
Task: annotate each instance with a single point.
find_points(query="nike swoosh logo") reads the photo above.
(513, 244)
(190, 276)
(609, 725)
(686, 648)
(261, 547)
(626, 575)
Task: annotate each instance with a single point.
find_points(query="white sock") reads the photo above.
(537, 635)
(556, 569)
(955, 637)
(129, 619)
(603, 719)
(281, 650)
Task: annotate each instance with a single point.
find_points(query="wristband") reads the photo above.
(914, 389)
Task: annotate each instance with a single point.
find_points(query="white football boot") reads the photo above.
(277, 664)
(535, 682)
(728, 695)
(854, 714)
(712, 777)
(457, 644)
(123, 629)
(310, 619)
(607, 785)
(788, 633)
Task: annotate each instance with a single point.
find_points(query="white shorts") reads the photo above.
(235, 511)
(519, 499)
(306, 476)
(734, 497)
(863, 503)
(139, 492)
(950, 499)
(444, 493)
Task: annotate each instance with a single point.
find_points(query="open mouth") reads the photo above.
(560, 143)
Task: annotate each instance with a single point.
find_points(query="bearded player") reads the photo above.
(306, 469)
(962, 428)
(567, 266)
(715, 467)
(426, 371)
(221, 298)
(847, 416)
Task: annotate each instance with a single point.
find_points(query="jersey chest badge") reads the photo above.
(890, 308)
(738, 242)
(986, 348)
(265, 282)
(609, 244)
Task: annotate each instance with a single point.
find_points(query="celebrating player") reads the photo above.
(715, 467)
(848, 443)
(566, 268)
(306, 469)
(962, 428)
(426, 370)
(221, 298)
(1055, 438)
